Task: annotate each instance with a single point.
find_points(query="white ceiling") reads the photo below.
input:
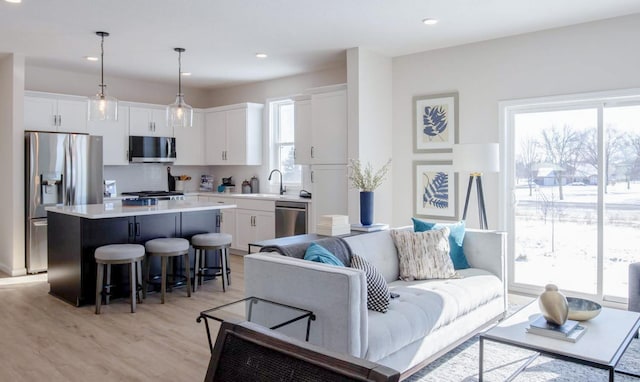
(221, 37)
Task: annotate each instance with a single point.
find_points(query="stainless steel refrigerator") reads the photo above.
(61, 169)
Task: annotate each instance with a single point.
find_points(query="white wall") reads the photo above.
(124, 89)
(12, 259)
(282, 87)
(584, 58)
(370, 128)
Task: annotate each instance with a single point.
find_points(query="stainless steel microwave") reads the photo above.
(152, 149)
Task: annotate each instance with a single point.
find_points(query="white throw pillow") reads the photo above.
(424, 255)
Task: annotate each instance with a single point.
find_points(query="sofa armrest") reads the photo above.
(336, 295)
(488, 250)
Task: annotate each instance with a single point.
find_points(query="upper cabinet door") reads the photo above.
(215, 133)
(329, 128)
(302, 133)
(72, 116)
(40, 114)
(115, 137)
(190, 142)
(236, 136)
(149, 121)
(159, 118)
(51, 112)
(140, 122)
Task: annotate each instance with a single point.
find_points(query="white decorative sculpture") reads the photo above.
(553, 305)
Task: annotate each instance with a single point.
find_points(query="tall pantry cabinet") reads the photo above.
(321, 143)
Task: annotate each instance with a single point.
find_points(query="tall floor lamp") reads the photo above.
(476, 158)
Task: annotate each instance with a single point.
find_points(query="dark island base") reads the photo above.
(72, 242)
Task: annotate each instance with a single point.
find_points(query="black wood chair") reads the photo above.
(248, 352)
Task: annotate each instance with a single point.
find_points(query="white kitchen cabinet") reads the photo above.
(115, 138)
(149, 121)
(330, 188)
(55, 112)
(233, 135)
(255, 221)
(302, 130)
(227, 216)
(190, 142)
(321, 128)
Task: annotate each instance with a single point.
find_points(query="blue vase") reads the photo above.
(366, 207)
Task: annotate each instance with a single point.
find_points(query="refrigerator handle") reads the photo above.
(64, 187)
(66, 177)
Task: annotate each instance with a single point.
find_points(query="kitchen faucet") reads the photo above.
(282, 189)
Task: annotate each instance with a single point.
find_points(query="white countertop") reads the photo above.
(116, 209)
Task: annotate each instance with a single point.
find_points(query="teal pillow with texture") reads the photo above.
(316, 252)
(456, 237)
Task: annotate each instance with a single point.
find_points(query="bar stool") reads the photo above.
(165, 248)
(211, 242)
(118, 254)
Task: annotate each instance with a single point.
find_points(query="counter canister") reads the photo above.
(255, 185)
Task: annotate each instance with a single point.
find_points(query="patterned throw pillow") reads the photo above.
(424, 255)
(378, 296)
(456, 238)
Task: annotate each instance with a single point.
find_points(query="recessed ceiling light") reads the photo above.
(186, 74)
(261, 55)
(13, 1)
(91, 58)
(430, 21)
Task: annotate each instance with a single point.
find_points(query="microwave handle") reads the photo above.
(168, 147)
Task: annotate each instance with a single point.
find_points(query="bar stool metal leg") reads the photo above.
(163, 278)
(99, 281)
(133, 283)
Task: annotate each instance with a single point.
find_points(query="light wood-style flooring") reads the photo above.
(45, 339)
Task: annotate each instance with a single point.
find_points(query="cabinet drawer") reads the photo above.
(258, 205)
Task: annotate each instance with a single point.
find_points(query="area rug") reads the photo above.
(500, 361)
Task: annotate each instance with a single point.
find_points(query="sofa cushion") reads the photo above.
(379, 250)
(320, 254)
(456, 238)
(425, 306)
(378, 295)
(424, 255)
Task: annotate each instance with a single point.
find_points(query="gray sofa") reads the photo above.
(428, 319)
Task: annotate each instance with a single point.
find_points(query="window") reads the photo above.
(574, 171)
(282, 138)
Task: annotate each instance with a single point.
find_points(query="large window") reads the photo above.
(574, 173)
(282, 141)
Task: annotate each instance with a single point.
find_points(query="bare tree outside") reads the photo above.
(563, 148)
(615, 146)
(530, 155)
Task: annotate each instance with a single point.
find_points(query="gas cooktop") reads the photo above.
(160, 195)
(146, 194)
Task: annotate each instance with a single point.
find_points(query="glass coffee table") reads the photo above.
(268, 314)
(607, 337)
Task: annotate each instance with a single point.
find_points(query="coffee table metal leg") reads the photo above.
(481, 355)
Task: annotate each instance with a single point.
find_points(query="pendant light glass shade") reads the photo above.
(179, 114)
(101, 106)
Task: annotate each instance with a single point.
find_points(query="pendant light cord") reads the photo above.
(180, 72)
(102, 65)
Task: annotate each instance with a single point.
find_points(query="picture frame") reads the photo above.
(435, 123)
(435, 190)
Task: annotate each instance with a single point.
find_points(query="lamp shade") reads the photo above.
(476, 157)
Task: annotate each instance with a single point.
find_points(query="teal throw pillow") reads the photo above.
(320, 254)
(456, 237)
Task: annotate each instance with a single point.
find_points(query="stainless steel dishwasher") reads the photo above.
(291, 218)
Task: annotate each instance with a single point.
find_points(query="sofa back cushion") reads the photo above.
(378, 249)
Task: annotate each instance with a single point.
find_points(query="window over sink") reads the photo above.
(281, 127)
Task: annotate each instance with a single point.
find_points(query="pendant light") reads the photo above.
(179, 114)
(101, 106)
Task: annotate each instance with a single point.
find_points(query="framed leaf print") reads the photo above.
(435, 123)
(435, 190)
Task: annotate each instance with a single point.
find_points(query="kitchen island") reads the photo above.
(74, 232)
